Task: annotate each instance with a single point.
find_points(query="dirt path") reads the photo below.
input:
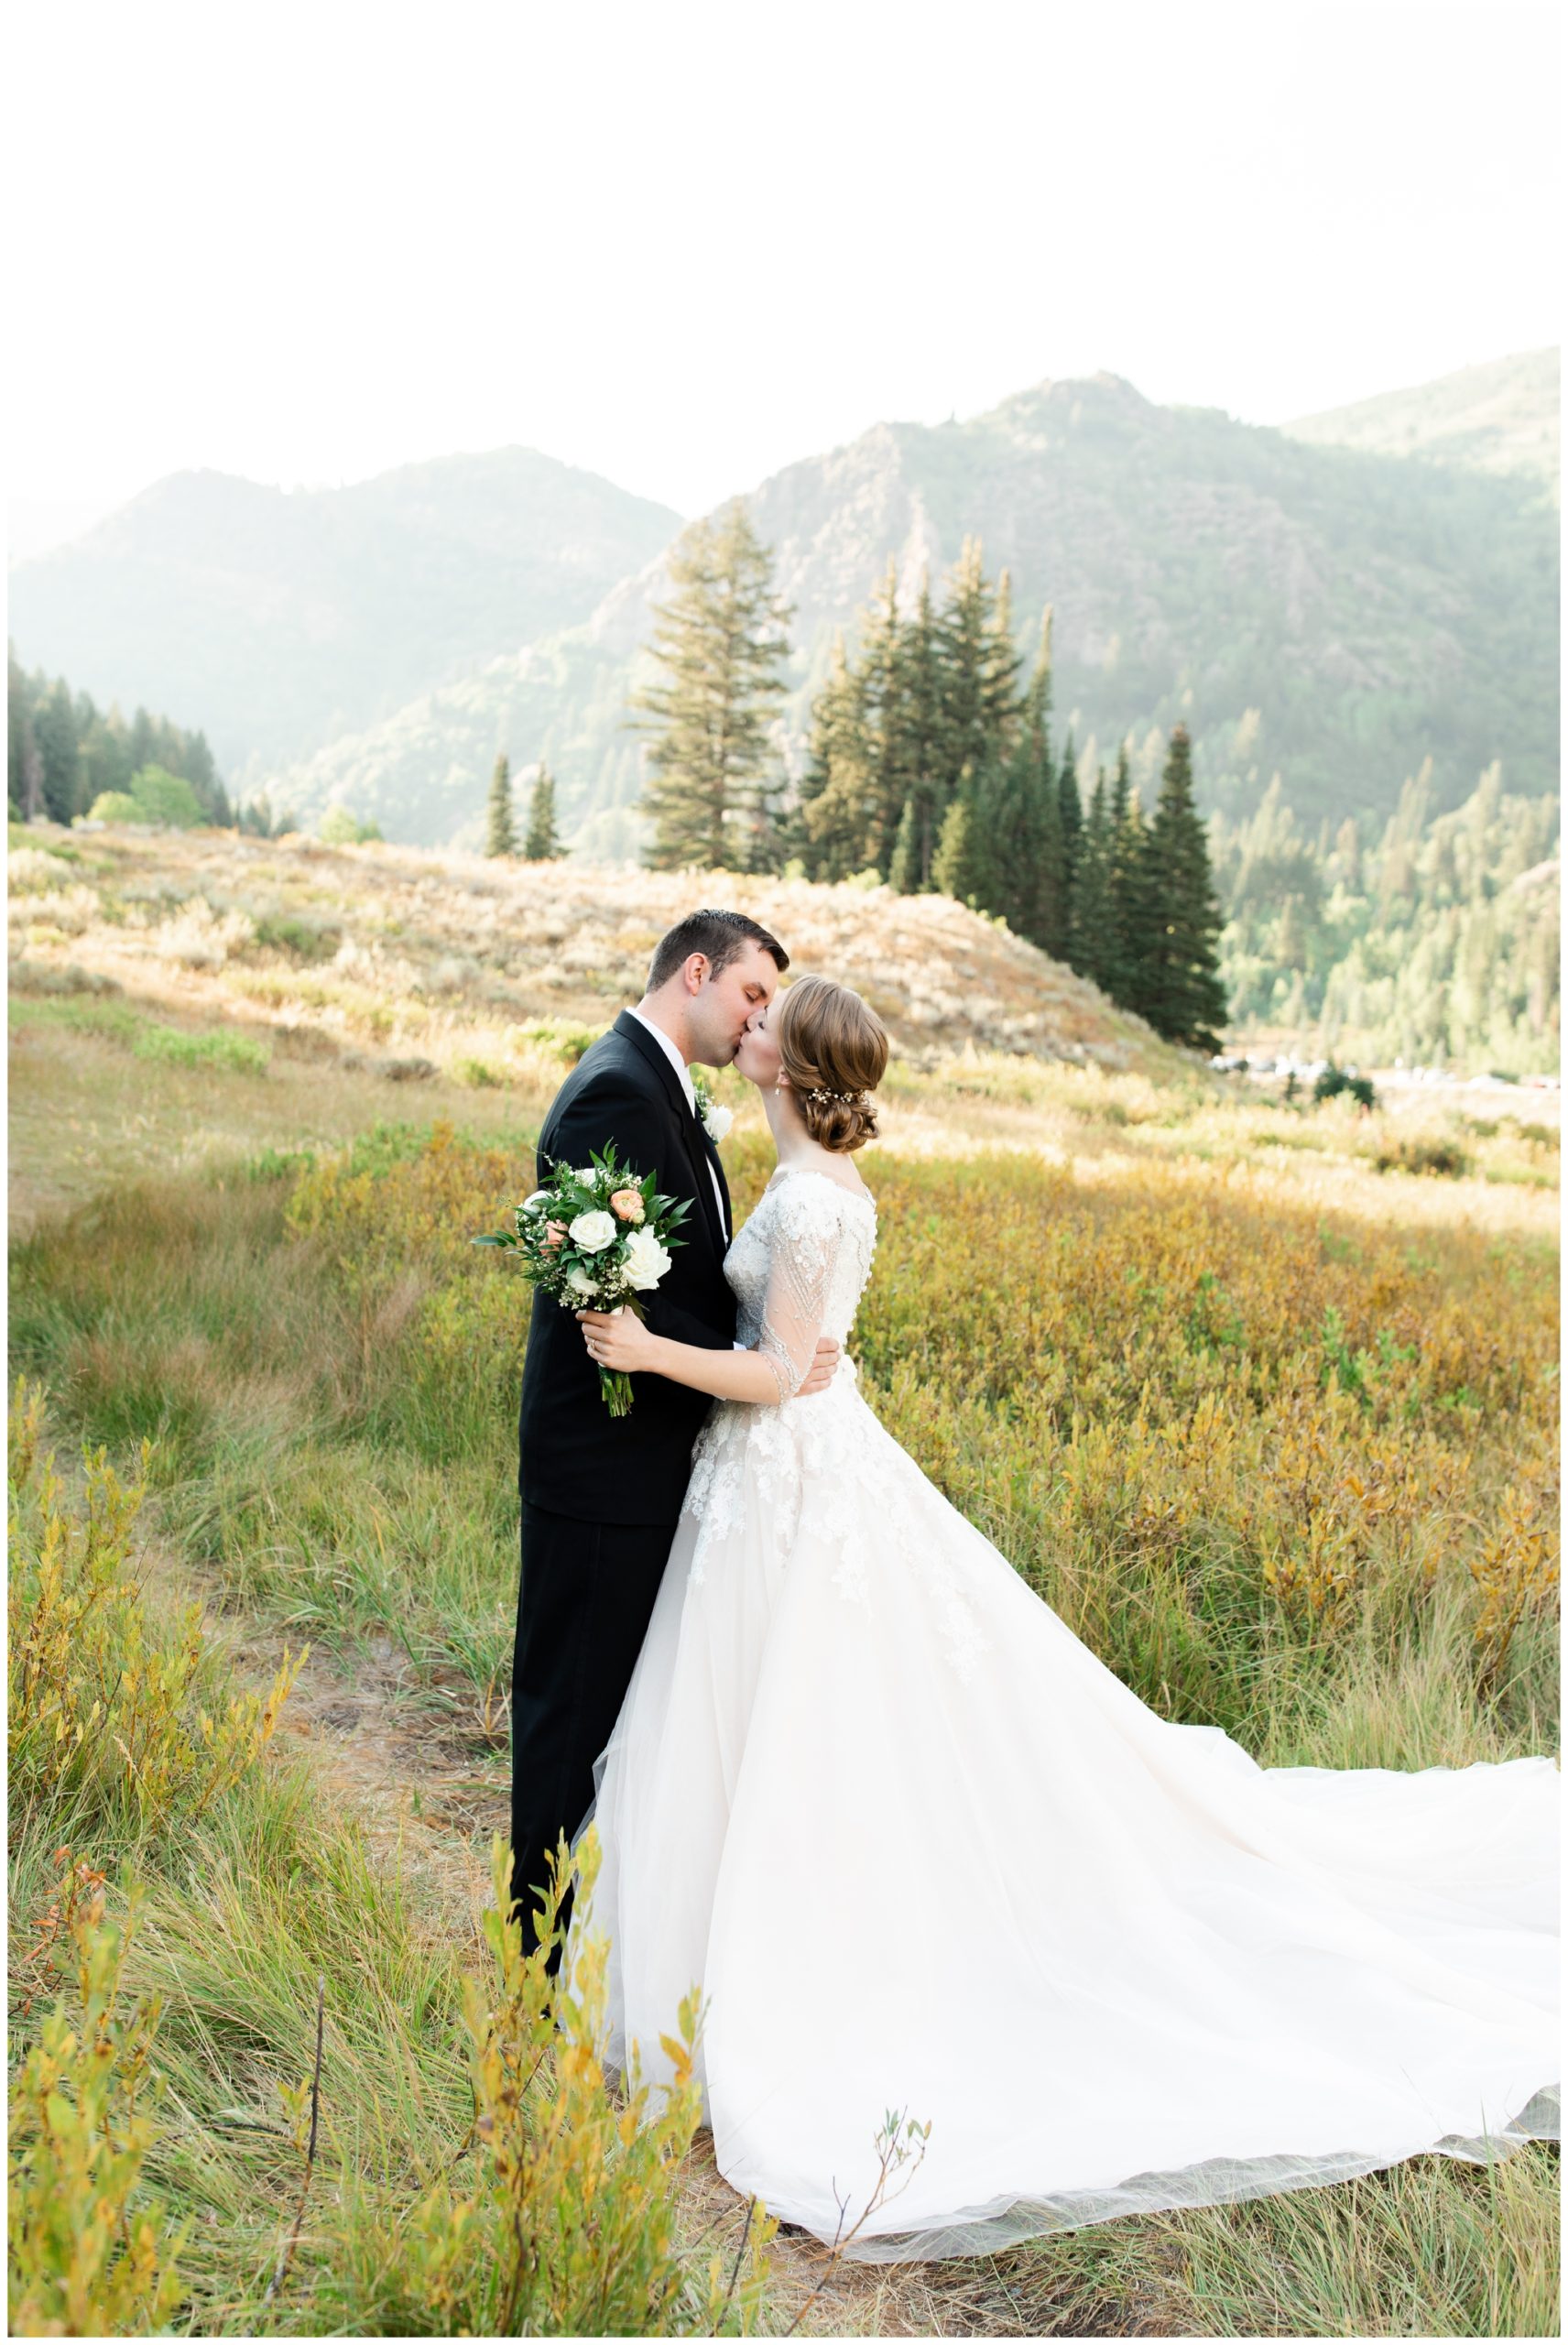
(425, 1772)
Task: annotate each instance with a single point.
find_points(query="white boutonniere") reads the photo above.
(716, 1120)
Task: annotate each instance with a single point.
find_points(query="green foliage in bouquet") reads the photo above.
(596, 1237)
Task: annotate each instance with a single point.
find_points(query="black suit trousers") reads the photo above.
(583, 1604)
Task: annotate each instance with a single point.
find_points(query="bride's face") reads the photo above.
(758, 1057)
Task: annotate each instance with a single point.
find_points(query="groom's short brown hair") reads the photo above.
(722, 937)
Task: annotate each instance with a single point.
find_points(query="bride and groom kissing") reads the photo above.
(852, 1775)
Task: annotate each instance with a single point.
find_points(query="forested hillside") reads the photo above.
(1329, 615)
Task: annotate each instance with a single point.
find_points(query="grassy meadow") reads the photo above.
(1261, 1397)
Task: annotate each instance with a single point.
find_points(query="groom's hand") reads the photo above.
(818, 1375)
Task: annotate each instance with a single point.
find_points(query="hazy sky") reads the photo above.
(684, 244)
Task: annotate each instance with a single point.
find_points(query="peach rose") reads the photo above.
(627, 1204)
(554, 1233)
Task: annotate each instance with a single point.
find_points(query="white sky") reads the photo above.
(683, 244)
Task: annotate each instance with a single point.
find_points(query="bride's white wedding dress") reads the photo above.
(924, 1852)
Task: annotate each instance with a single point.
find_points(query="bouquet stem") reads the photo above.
(615, 1391)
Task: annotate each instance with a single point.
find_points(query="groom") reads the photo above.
(600, 1494)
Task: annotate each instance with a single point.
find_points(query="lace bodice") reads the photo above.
(799, 1269)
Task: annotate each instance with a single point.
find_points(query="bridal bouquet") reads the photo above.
(596, 1239)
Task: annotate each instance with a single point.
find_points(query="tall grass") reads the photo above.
(1289, 1467)
(251, 2096)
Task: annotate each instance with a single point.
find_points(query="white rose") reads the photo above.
(581, 1281)
(645, 1261)
(717, 1119)
(586, 1174)
(536, 1203)
(592, 1231)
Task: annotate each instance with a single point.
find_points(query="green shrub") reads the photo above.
(240, 1053)
(1410, 1153)
(115, 806)
(305, 939)
(88, 2254)
(107, 1730)
(1336, 1081)
(338, 827)
(560, 1038)
(478, 1075)
(163, 797)
(567, 2223)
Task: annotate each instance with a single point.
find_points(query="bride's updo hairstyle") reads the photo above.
(834, 1050)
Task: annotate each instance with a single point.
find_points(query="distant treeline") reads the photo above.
(1433, 938)
(64, 755)
(932, 766)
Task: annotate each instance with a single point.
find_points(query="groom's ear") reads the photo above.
(694, 972)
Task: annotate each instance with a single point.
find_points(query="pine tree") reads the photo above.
(880, 673)
(1041, 913)
(1135, 890)
(1116, 958)
(966, 638)
(838, 791)
(965, 866)
(923, 747)
(1189, 1003)
(1071, 814)
(1094, 916)
(54, 729)
(951, 871)
(542, 844)
(1002, 702)
(904, 872)
(721, 639)
(500, 830)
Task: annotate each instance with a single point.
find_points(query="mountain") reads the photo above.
(1501, 417)
(1331, 613)
(277, 619)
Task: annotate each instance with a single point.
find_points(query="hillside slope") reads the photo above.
(425, 952)
(280, 620)
(1367, 611)
(1500, 417)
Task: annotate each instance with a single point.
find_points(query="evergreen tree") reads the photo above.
(1117, 967)
(904, 872)
(1071, 816)
(720, 639)
(1041, 899)
(838, 792)
(965, 866)
(1093, 913)
(1188, 999)
(951, 871)
(54, 728)
(921, 747)
(965, 633)
(1136, 895)
(880, 673)
(542, 844)
(1002, 702)
(500, 829)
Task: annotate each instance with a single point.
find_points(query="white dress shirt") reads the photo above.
(690, 1088)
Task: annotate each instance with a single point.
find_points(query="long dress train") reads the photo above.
(925, 1853)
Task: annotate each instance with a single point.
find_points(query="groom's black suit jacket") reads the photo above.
(575, 1459)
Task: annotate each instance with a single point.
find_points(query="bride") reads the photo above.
(926, 1854)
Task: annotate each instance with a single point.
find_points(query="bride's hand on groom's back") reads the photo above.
(618, 1339)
